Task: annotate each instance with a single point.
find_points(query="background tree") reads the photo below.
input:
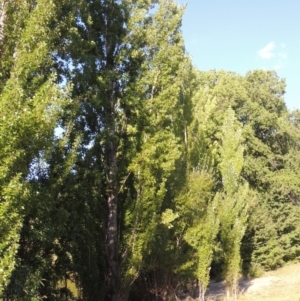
(257, 100)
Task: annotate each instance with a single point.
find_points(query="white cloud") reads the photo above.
(266, 52)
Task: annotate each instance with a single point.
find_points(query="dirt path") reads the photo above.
(280, 285)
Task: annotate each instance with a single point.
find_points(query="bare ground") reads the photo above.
(280, 285)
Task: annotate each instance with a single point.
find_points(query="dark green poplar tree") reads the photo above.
(110, 66)
(31, 104)
(125, 65)
(92, 55)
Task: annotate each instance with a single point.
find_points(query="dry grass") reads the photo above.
(284, 285)
(280, 285)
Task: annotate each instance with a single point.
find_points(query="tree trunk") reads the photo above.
(231, 290)
(201, 291)
(111, 169)
(2, 19)
(228, 292)
(112, 197)
(234, 290)
(112, 227)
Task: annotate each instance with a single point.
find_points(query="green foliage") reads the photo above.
(201, 147)
(31, 104)
(201, 236)
(269, 139)
(233, 205)
(159, 144)
(255, 271)
(198, 209)
(156, 164)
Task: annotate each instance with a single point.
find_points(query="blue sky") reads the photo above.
(242, 35)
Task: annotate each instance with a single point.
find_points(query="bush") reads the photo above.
(256, 270)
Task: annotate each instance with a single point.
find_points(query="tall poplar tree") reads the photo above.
(125, 63)
(31, 103)
(160, 130)
(233, 201)
(197, 206)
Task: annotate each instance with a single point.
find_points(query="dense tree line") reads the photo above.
(125, 172)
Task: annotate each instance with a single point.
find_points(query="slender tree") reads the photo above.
(233, 201)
